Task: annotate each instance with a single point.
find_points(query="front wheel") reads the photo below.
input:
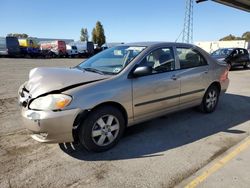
(210, 99)
(102, 129)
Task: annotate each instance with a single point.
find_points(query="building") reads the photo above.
(211, 46)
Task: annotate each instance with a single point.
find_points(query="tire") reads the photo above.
(210, 99)
(246, 66)
(107, 124)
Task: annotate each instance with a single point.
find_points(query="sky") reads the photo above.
(123, 21)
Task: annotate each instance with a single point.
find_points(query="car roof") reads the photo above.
(232, 48)
(152, 44)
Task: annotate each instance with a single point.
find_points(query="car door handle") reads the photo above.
(205, 72)
(174, 77)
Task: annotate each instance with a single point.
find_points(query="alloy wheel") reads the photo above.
(105, 130)
(211, 99)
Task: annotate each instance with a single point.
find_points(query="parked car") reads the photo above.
(95, 101)
(29, 47)
(55, 48)
(71, 50)
(233, 56)
(9, 46)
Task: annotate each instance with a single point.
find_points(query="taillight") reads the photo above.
(224, 75)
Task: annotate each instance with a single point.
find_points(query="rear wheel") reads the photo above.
(102, 129)
(246, 66)
(210, 99)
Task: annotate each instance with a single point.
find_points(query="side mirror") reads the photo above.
(142, 71)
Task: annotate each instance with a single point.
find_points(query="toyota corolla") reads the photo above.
(95, 101)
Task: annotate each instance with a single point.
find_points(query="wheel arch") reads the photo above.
(216, 84)
(116, 105)
(82, 115)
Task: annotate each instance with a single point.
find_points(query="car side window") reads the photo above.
(243, 52)
(161, 60)
(190, 58)
(235, 53)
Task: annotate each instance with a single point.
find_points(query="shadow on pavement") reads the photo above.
(174, 130)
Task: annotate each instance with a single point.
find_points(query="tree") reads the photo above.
(94, 37)
(98, 35)
(84, 35)
(229, 37)
(18, 35)
(246, 36)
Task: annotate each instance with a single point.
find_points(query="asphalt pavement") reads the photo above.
(162, 152)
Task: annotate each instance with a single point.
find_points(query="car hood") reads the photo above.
(219, 57)
(44, 80)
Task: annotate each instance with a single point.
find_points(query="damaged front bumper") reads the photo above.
(49, 126)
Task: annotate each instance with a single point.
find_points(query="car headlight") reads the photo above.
(51, 102)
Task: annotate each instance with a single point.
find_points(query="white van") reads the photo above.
(71, 50)
(84, 48)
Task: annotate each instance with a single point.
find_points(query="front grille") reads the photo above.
(24, 97)
(24, 104)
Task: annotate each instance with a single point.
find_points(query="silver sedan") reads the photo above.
(94, 102)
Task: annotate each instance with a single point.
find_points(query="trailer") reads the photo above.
(110, 45)
(54, 48)
(29, 47)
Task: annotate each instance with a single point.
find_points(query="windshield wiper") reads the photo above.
(93, 70)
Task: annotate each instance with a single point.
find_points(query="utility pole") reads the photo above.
(187, 36)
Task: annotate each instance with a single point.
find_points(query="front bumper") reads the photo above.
(49, 126)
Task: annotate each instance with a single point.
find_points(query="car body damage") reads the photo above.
(45, 80)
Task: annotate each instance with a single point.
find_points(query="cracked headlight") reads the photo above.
(51, 102)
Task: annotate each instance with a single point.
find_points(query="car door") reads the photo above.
(159, 91)
(240, 57)
(193, 75)
(235, 59)
(244, 55)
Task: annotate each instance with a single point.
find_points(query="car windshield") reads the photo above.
(222, 52)
(111, 61)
